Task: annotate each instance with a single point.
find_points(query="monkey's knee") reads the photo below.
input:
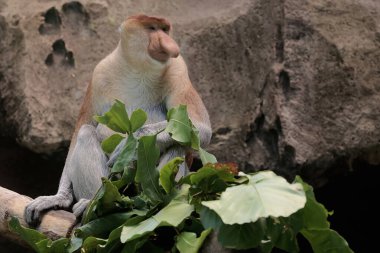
(170, 154)
(86, 133)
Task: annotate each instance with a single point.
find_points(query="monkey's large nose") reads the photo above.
(168, 45)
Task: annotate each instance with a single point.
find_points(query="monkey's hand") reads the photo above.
(150, 129)
(40, 205)
(163, 138)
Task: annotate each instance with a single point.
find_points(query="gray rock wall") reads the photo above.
(288, 84)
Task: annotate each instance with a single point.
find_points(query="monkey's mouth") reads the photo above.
(160, 56)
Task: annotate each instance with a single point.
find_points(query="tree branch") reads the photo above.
(54, 224)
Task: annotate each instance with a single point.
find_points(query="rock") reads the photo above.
(290, 85)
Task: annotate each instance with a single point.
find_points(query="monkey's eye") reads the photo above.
(165, 29)
(152, 28)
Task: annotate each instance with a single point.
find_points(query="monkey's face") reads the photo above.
(149, 37)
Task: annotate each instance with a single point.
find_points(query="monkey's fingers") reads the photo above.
(33, 211)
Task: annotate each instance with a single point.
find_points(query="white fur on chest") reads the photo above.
(114, 78)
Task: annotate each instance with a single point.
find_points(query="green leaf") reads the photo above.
(315, 214)
(266, 194)
(109, 144)
(49, 246)
(209, 171)
(282, 233)
(91, 244)
(147, 174)
(326, 241)
(179, 125)
(113, 243)
(128, 177)
(75, 244)
(209, 218)
(241, 237)
(38, 241)
(116, 118)
(105, 201)
(195, 141)
(138, 118)
(188, 242)
(168, 173)
(316, 228)
(171, 215)
(103, 226)
(31, 236)
(126, 156)
(206, 157)
(134, 245)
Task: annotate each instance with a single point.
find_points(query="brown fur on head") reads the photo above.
(147, 21)
(147, 38)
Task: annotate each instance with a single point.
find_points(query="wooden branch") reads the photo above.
(54, 224)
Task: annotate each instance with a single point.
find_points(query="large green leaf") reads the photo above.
(316, 228)
(91, 244)
(281, 233)
(209, 218)
(116, 118)
(75, 244)
(188, 242)
(113, 243)
(244, 236)
(48, 246)
(314, 214)
(179, 125)
(31, 236)
(266, 194)
(138, 118)
(134, 245)
(209, 171)
(207, 182)
(147, 174)
(126, 156)
(38, 241)
(109, 144)
(168, 173)
(105, 201)
(103, 226)
(171, 215)
(326, 241)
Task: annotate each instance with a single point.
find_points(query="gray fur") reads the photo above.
(87, 163)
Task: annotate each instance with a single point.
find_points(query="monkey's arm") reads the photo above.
(197, 113)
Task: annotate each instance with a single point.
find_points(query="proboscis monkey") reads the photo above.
(144, 71)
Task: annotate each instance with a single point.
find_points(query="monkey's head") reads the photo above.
(147, 38)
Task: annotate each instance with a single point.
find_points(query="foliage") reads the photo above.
(141, 209)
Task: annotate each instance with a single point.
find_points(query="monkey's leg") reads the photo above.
(81, 176)
(87, 164)
(80, 207)
(175, 151)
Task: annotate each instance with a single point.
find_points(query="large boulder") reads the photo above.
(288, 84)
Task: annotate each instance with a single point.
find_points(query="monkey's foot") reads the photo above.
(40, 205)
(80, 207)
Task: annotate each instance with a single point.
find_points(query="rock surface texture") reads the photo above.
(289, 84)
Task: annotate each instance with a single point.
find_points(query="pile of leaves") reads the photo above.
(141, 209)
